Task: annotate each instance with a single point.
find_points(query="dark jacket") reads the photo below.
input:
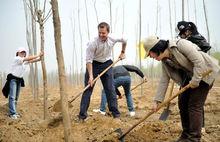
(6, 88)
(200, 41)
(124, 70)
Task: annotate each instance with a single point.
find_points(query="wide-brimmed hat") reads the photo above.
(150, 42)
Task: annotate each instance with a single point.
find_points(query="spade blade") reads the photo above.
(165, 114)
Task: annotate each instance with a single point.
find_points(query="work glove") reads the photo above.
(193, 85)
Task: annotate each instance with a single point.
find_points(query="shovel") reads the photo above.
(166, 112)
(160, 106)
(57, 104)
(94, 80)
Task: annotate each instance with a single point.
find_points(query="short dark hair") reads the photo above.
(104, 24)
(160, 47)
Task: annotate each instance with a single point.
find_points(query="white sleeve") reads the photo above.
(115, 39)
(18, 60)
(90, 52)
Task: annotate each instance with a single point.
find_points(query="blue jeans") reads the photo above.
(125, 82)
(13, 96)
(107, 82)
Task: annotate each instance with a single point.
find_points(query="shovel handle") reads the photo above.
(170, 93)
(137, 86)
(160, 106)
(94, 80)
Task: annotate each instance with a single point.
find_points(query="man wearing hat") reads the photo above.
(180, 60)
(15, 79)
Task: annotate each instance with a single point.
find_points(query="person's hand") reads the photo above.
(122, 55)
(90, 82)
(193, 85)
(145, 79)
(155, 106)
(41, 54)
(119, 96)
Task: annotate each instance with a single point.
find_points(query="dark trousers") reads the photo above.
(191, 104)
(107, 82)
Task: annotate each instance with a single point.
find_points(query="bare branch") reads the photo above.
(44, 7)
(48, 16)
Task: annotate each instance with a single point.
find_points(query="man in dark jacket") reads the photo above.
(122, 78)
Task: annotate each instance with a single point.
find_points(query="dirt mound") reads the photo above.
(99, 128)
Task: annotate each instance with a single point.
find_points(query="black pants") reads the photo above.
(191, 104)
(107, 82)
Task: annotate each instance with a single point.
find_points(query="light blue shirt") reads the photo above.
(101, 51)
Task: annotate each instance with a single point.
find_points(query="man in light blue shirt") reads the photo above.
(98, 58)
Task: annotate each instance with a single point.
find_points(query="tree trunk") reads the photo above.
(183, 10)
(75, 65)
(140, 29)
(34, 47)
(61, 71)
(206, 20)
(171, 33)
(195, 12)
(87, 20)
(43, 66)
(80, 35)
(30, 45)
(96, 13)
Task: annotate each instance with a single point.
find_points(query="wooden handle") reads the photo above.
(94, 80)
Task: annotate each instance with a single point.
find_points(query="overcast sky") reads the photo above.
(13, 26)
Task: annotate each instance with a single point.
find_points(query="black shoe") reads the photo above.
(116, 116)
(183, 138)
(79, 120)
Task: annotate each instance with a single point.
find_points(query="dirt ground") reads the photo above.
(98, 128)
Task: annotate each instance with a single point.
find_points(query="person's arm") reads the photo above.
(135, 69)
(124, 44)
(161, 89)
(29, 58)
(34, 60)
(90, 71)
(90, 51)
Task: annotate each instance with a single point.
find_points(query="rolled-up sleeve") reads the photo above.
(90, 52)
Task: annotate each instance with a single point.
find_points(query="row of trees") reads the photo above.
(36, 17)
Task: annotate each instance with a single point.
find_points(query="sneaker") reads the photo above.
(18, 115)
(102, 112)
(98, 110)
(132, 113)
(14, 116)
(79, 120)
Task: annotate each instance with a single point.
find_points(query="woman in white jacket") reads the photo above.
(183, 63)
